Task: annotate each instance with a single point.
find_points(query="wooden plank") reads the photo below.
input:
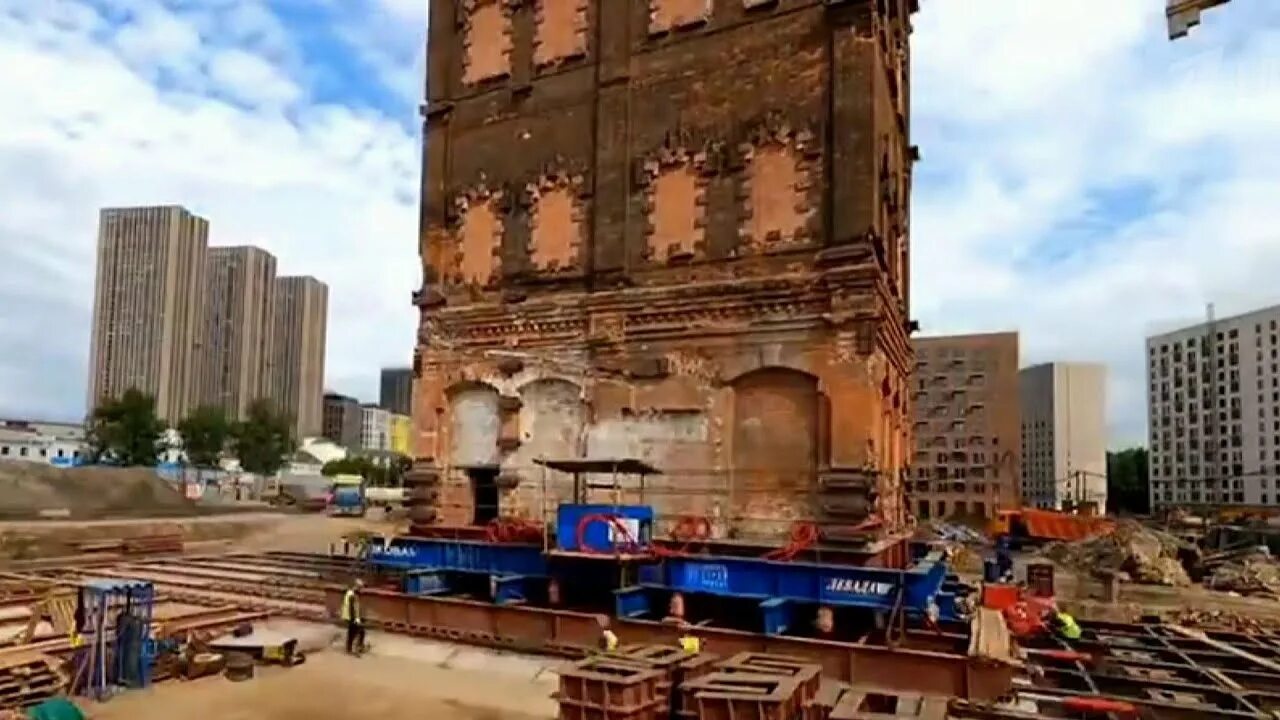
(989, 637)
(934, 708)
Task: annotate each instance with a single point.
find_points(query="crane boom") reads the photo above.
(1185, 14)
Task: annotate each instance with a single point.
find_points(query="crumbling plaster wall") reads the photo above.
(739, 436)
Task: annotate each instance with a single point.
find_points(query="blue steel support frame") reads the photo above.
(410, 553)
(510, 567)
(779, 586)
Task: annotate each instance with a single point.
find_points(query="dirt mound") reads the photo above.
(1144, 554)
(1254, 574)
(28, 489)
(1224, 620)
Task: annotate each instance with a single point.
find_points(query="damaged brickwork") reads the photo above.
(478, 236)
(696, 217)
(555, 221)
(486, 40)
(561, 31)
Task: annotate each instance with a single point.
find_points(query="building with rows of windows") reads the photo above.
(1213, 412)
(967, 441)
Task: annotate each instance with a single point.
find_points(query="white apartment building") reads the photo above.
(375, 428)
(1064, 434)
(1213, 409)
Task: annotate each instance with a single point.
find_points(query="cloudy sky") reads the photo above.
(1083, 180)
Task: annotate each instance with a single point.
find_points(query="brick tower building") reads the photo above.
(673, 230)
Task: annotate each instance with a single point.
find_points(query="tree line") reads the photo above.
(1127, 484)
(378, 475)
(126, 431)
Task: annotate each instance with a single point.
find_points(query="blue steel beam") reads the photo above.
(874, 588)
(497, 559)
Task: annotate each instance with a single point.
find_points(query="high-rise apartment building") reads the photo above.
(966, 428)
(236, 365)
(1213, 412)
(302, 313)
(396, 390)
(343, 420)
(375, 428)
(147, 306)
(1064, 435)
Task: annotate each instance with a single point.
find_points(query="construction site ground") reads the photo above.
(399, 678)
(276, 565)
(311, 532)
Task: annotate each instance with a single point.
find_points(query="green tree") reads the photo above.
(204, 436)
(1127, 482)
(126, 431)
(349, 465)
(400, 465)
(264, 440)
(372, 472)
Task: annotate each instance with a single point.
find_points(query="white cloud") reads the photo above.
(85, 123)
(1084, 180)
(157, 38)
(251, 79)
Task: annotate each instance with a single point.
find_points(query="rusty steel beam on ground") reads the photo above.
(247, 597)
(198, 573)
(574, 634)
(198, 621)
(283, 570)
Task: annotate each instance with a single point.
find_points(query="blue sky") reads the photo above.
(1083, 180)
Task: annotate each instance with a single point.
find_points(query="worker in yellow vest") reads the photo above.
(353, 619)
(689, 643)
(1065, 626)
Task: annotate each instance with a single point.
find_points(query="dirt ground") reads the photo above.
(28, 488)
(244, 532)
(313, 532)
(402, 678)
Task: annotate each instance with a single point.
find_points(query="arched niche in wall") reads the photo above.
(551, 421)
(775, 426)
(777, 433)
(474, 424)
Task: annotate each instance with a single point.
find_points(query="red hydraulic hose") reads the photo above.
(804, 535)
(689, 529)
(1100, 705)
(513, 530)
(1067, 655)
(628, 545)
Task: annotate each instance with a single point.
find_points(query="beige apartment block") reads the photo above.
(302, 313)
(239, 328)
(148, 305)
(966, 425)
(1064, 435)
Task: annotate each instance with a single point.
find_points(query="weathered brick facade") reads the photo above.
(674, 230)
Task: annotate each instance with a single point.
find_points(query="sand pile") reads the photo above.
(1144, 554)
(29, 489)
